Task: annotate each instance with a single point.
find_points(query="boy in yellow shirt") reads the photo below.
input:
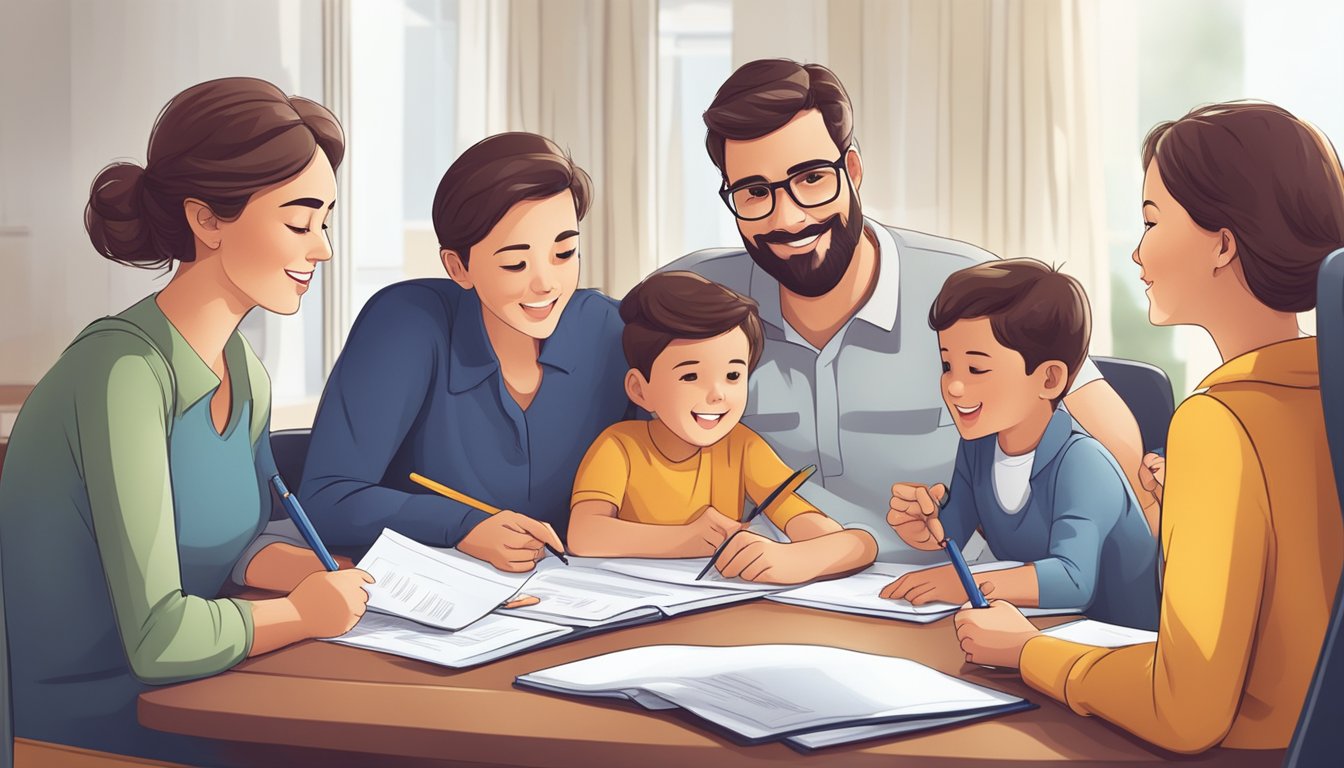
(674, 486)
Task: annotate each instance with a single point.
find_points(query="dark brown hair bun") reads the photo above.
(219, 142)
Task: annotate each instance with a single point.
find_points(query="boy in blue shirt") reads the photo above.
(1012, 334)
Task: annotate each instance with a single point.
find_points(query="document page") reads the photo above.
(860, 594)
(1100, 634)
(490, 638)
(671, 571)
(439, 587)
(583, 596)
(768, 691)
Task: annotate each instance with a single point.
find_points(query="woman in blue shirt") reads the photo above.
(492, 382)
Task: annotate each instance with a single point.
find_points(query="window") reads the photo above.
(1160, 59)
(694, 57)
(403, 94)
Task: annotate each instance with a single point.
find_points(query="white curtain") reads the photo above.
(977, 119)
(582, 73)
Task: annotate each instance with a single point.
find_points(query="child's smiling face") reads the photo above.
(986, 385)
(696, 387)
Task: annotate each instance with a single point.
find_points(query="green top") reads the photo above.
(123, 513)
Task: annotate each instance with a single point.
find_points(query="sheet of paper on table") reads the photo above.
(768, 692)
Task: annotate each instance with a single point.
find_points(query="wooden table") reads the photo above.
(318, 701)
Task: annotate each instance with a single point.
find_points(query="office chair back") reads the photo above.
(1319, 738)
(1147, 391)
(290, 447)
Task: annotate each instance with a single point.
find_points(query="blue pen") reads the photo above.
(964, 573)
(301, 521)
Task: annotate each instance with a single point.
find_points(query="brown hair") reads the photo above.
(1266, 176)
(220, 142)
(683, 305)
(1034, 310)
(763, 95)
(495, 174)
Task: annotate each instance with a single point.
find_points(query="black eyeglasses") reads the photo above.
(808, 188)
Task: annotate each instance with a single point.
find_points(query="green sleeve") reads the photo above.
(121, 419)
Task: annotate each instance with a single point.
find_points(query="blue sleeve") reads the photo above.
(372, 401)
(960, 517)
(1090, 496)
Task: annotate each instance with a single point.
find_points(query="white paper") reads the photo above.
(763, 691)
(1100, 634)
(859, 594)
(580, 595)
(837, 736)
(672, 571)
(490, 638)
(439, 587)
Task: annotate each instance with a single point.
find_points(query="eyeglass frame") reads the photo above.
(726, 192)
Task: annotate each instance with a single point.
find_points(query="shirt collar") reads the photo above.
(879, 310)
(1057, 432)
(472, 359)
(192, 378)
(1291, 363)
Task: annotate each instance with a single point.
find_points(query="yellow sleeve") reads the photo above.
(1182, 692)
(604, 472)
(762, 472)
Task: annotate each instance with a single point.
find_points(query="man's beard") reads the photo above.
(811, 274)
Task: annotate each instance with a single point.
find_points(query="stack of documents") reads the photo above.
(443, 607)
(811, 696)
(860, 594)
(435, 605)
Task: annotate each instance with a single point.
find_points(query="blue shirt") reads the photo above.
(418, 389)
(1081, 526)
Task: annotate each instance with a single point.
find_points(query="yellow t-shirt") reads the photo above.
(625, 468)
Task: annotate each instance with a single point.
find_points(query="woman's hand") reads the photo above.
(1153, 474)
(510, 541)
(994, 636)
(914, 514)
(329, 603)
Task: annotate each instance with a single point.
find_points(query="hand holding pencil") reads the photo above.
(507, 540)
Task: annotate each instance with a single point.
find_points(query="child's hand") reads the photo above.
(928, 586)
(914, 514)
(756, 558)
(1153, 474)
(707, 532)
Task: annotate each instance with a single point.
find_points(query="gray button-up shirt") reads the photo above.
(866, 408)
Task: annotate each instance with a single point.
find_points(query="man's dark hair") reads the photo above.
(1034, 310)
(495, 174)
(763, 95)
(683, 305)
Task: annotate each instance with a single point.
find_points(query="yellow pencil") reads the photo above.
(458, 496)
(474, 503)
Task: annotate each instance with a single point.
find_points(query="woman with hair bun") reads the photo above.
(136, 484)
(1242, 203)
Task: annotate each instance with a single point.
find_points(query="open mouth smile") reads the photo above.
(969, 413)
(539, 310)
(707, 420)
(302, 278)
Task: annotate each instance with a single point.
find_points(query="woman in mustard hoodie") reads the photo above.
(1242, 202)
